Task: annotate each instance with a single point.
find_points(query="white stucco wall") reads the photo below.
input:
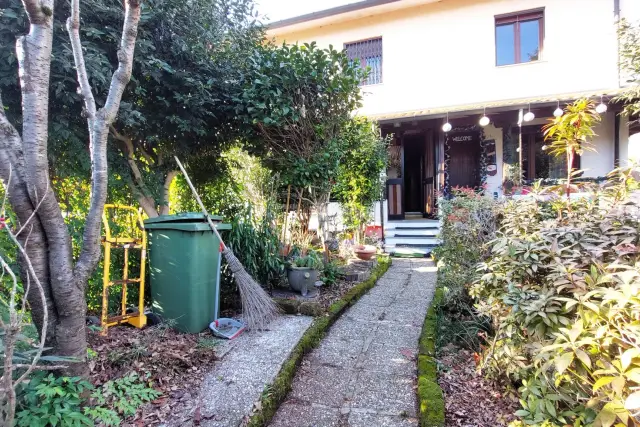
(443, 54)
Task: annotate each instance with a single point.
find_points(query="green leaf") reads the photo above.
(607, 415)
(601, 382)
(583, 356)
(563, 362)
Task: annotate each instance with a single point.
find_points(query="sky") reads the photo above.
(275, 10)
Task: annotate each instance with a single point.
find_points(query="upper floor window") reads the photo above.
(519, 37)
(368, 53)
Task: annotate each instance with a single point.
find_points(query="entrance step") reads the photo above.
(411, 237)
(412, 240)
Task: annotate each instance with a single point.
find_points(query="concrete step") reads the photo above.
(412, 225)
(411, 232)
(412, 240)
(409, 252)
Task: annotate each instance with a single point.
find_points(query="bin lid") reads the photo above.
(187, 221)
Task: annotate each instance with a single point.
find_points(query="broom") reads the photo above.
(258, 309)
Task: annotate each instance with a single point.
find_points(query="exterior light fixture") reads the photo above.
(545, 147)
(558, 111)
(529, 116)
(484, 120)
(447, 126)
(602, 107)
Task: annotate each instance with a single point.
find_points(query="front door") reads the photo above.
(429, 178)
(464, 159)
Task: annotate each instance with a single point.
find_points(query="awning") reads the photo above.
(503, 104)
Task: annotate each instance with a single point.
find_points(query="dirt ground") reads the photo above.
(174, 361)
(470, 399)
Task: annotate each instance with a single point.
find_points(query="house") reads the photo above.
(465, 86)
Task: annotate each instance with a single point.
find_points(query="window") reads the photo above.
(536, 162)
(519, 37)
(369, 54)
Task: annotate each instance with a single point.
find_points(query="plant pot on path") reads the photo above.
(364, 252)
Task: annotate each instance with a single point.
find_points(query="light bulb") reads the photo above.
(558, 112)
(601, 108)
(518, 150)
(529, 116)
(484, 120)
(446, 127)
(544, 147)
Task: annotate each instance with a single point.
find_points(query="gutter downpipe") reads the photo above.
(520, 120)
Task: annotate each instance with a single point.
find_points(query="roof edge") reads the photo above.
(351, 7)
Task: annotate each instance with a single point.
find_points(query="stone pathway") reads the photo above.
(363, 374)
(236, 382)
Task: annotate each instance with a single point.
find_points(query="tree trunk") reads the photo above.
(164, 206)
(569, 170)
(24, 167)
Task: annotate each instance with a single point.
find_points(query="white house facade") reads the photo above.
(439, 66)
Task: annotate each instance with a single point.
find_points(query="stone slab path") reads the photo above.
(236, 382)
(363, 374)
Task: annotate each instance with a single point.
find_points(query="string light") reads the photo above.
(484, 120)
(602, 107)
(529, 116)
(559, 111)
(447, 126)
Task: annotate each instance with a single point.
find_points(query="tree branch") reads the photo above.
(90, 252)
(73, 27)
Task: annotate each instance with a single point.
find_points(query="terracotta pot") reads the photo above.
(364, 252)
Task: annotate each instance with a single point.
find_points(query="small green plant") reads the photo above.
(312, 260)
(207, 343)
(125, 394)
(331, 273)
(49, 400)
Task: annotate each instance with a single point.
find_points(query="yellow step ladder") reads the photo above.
(127, 243)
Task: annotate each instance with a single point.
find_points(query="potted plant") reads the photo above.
(364, 252)
(303, 272)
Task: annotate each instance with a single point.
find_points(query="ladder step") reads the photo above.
(123, 281)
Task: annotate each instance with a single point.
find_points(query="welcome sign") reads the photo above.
(463, 137)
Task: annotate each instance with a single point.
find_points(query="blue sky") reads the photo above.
(276, 10)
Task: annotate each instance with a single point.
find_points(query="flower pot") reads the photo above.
(302, 279)
(364, 252)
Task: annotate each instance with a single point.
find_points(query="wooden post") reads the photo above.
(286, 215)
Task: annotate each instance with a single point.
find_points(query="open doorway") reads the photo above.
(414, 152)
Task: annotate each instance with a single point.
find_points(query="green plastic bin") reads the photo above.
(184, 260)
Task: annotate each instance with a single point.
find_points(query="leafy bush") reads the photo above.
(256, 243)
(561, 284)
(468, 221)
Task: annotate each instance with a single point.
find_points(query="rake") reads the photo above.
(258, 309)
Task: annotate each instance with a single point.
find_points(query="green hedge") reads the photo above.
(275, 393)
(430, 397)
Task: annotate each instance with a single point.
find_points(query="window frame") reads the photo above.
(516, 18)
(363, 64)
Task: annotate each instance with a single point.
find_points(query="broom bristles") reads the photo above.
(258, 309)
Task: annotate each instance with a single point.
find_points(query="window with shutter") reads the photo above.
(368, 54)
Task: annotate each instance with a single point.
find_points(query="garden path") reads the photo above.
(364, 372)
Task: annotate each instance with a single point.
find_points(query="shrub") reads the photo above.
(468, 221)
(561, 285)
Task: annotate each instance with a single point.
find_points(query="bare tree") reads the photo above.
(24, 156)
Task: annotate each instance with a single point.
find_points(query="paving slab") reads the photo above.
(363, 374)
(248, 364)
(363, 419)
(295, 414)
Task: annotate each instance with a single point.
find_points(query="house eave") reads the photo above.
(340, 14)
(495, 106)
